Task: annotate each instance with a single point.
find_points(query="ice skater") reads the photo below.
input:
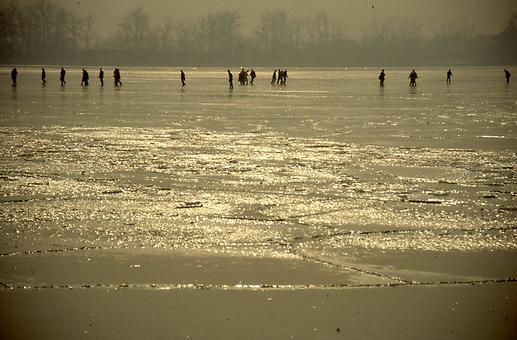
(14, 75)
(183, 78)
(101, 76)
(413, 76)
(230, 79)
(273, 80)
(62, 76)
(381, 78)
(449, 75)
(507, 74)
(43, 76)
(85, 78)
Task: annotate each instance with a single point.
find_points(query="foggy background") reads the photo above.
(267, 32)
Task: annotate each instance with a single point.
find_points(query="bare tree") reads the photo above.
(164, 33)
(135, 27)
(88, 31)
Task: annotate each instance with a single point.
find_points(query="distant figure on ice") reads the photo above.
(242, 77)
(253, 75)
(279, 77)
(85, 78)
(230, 79)
(381, 78)
(116, 77)
(273, 80)
(412, 78)
(449, 75)
(183, 78)
(62, 76)
(14, 74)
(101, 76)
(507, 74)
(43, 76)
(284, 77)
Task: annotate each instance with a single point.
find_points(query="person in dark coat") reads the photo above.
(183, 78)
(101, 76)
(14, 75)
(62, 76)
(230, 79)
(382, 76)
(85, 78)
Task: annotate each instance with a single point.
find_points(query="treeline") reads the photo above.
(45, 30)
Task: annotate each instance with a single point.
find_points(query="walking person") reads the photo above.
(14, 75)
(382, 76)
(43, 76)
(62, 76)
(253, 75)
(183, 78)
(273, 80)
(85, 78)
(116, 77)
(101, 76)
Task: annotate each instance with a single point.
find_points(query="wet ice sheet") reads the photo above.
(158, 187)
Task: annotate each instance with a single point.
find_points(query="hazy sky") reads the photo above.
(489, 15)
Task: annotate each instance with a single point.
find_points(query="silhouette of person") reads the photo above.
(242, 76)
(284, 77)
(62, 76)
(507, 74)
(381, 78)
(413, 76)
(273, 80)
(116, 77)
(183, 78)
(14, 75)
(230, 79)
(279, 77)
(253, 75)
(449, 75)
(84, 80)
(43, 76)
(101, 76)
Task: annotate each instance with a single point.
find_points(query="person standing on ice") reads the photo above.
(449, 75)
(62, 76)
(273, 80)
(84, 80)
(183, 78)
(413, 76)
(381, 78)
(507, 74)
(43, 76)
(14, 75)
(253, 75)
(116, 77)
(101, 76)
(230, 79)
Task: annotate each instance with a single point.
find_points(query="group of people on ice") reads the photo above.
(281, 79)
(62, 73)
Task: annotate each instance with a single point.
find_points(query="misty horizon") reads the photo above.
(331, 33)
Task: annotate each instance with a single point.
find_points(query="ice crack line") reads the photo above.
(240, 286)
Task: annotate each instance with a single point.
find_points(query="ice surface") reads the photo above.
(329, 167)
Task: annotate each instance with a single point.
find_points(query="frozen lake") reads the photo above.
(329, 168)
